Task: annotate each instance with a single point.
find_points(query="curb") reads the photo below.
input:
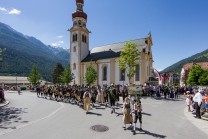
(2, 105)
(202, 124)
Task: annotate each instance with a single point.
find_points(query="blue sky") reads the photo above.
(179, 28)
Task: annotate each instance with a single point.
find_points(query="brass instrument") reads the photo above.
(77, 97)
(45, 89)
(67, 94)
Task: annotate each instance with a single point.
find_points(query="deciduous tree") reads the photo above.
(129, 59)
(67, 76)
(194, 75)
(203, 79)
(34, 78)
(90, 75)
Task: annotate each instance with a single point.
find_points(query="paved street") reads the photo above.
(29, 117)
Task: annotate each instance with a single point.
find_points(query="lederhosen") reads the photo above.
(105, 94)
(138, 114)
(93, 97)
(112, 96)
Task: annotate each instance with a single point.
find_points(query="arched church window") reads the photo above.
(84, 38)
(74, 66)
(84, 24)
(105, 73)
(74, 37)
(137, 76)
(122, 75)
(74, 49)
(79, 22)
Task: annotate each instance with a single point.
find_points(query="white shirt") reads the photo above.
(131, 108)
(86, 93)
(198, 98)
(135, 105)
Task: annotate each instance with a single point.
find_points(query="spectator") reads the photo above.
(18, 89)
(206, 101)
(198, 101)
(1, 94)
(188, 100)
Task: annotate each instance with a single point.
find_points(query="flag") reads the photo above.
(158, 73)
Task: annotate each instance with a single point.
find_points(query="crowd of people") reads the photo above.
(108, 96)
(198, 103)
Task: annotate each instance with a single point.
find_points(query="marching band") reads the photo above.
(107, 96)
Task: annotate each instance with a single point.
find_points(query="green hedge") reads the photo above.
(23, 88)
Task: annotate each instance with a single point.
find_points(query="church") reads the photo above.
(104, 58)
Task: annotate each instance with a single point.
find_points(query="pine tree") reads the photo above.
(90, 75)
(34, 77)
(56, 73)
(67, 76)
(129, 59)
(1, 52)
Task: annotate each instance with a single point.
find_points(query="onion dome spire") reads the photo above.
(79, 12)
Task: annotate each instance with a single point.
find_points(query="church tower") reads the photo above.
(79, 41)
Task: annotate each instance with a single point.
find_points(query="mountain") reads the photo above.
(22, 52)
(199, 57)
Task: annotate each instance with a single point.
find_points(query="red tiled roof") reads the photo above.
(204, 65)
(79, 14)
(79, 1)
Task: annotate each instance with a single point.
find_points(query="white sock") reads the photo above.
(134, 126)
(140, 125)
(125, 125)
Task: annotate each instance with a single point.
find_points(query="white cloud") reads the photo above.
(159, 70)
(60, 36)
(3, 9)
(14, 11)
(61, 42)
(56, 44)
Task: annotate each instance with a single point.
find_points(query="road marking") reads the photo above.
(201, 124)
(34, 121)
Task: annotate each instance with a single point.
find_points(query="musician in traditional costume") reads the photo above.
(127, 112)
(137, 114)
(124, 93)
(117, 95)
(93, 98)
(112, 95)
(86, 98)
(105, 95)
(100, 96)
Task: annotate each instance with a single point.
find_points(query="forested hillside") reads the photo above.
(200, 57)
(22, 52)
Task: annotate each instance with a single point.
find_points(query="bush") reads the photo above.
(23, 88)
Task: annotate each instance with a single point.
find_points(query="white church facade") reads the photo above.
(104, 58)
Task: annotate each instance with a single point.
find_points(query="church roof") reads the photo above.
(101, 55)
(117, 47)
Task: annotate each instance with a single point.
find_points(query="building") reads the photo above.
(16, 80)
(186, 68)
(104, 58)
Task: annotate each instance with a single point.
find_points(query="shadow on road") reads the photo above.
(152, 134)
(143, 113)
(9, 116)
(92, 113)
